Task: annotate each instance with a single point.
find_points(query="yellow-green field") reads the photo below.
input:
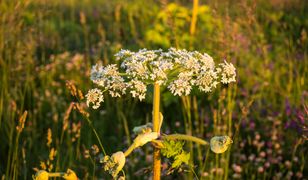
(47, 49)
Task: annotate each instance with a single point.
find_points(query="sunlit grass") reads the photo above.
(44, 44)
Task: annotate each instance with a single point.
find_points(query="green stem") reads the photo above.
(129, 150)
(93, 129)
(125, 125)
(193, 171)
(56, 174)
(96, 134)
(185, 137)
(93, 163)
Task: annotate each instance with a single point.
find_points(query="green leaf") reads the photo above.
(180, 159)
(172, 148)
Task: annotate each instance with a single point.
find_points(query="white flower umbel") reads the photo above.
(182, 85)
(178, 70)
(207, 80)
(228, 73)
(95, 97)
(137, 88)
(109, 78)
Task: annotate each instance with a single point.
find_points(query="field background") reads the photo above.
(44, 44)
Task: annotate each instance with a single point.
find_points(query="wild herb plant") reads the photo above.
(265, 112)
(179, 71)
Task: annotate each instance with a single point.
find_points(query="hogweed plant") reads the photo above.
(178, 70)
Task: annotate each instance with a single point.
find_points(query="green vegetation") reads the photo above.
(47, 49)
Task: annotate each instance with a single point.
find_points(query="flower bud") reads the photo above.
(70, 175)
(143, 129)
(119, 159)
(41, 175)
(219, 144)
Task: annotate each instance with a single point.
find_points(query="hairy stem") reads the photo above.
(185, 137)
(129, 150)
(156, 155)
(56, 174)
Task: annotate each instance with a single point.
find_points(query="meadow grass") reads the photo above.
(45, 44)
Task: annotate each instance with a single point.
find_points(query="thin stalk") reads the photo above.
(129, 150)
(156, 155)
(96, 134)
(193, 21)
(185, 137)
(126, 129)
(11, 150)
(193, 171)
(93, 162)
(217, 165)
(56, 174)
(93, 129)
(205, 160)
(188, 127)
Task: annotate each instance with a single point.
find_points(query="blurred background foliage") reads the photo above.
(46, 43)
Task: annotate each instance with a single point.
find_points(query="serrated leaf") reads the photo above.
(180, 159)
(172, 148)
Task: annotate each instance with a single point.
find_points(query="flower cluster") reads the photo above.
(178, 70)
(95, 97)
